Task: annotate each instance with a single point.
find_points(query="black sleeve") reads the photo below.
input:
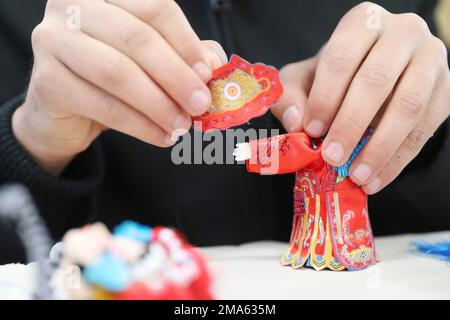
(64, 202)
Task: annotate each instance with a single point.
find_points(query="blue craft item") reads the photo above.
(439, 250)
(109, 272)
(133, 230)
(343, 171)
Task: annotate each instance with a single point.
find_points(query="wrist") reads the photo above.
(36, 138)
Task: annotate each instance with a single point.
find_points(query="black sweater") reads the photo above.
(121, 178)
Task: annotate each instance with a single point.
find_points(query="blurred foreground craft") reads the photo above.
(134, 262)
(17, 209)
(331, 227)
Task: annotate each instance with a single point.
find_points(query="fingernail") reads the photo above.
(170, 140)
(292, 119)
(202, 70)
(334, 152)
(182, 122)
(216, 58)
(362, 173)
(315, 128)
(221, 54)
(181, 130)
(374, 186)
(175, 135)
(200, 102)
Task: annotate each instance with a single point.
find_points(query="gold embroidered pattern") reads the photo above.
(234, 92)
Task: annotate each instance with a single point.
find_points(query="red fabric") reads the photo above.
(281, 154)
(271, 90)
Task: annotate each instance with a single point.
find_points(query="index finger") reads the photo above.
(169, 20)
(338, 63)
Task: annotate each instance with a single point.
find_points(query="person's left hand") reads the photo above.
(391, 74)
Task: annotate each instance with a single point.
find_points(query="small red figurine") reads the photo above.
(331, 227)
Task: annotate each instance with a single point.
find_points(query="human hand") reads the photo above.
(393, 77)
(133, 66)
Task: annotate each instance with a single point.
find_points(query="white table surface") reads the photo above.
(252, 271)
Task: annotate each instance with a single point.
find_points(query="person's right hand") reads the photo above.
(133, 66)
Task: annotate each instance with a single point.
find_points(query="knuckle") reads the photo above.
(364, 9)
(365, 4)
(438, 47)
(153, 9)
(412, 101)
(375, 76)
(111, 69)
(337, 58)
(352, 124)
(41, 34)
(412, 22)
(179, 75)
(107, 107)
(53, 3)
(368, 7)
(415, 140)
(60, 7)
(135, 36)
(43, 82)
(38, 87)
(383, 148)
(361, 8)
(189, 47)
(324, 102)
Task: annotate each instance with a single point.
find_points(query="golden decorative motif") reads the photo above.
(234, 92)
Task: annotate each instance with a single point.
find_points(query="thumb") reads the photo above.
(297, 79)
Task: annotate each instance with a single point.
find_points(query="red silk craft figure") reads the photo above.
(331, 227)
(240, 91)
